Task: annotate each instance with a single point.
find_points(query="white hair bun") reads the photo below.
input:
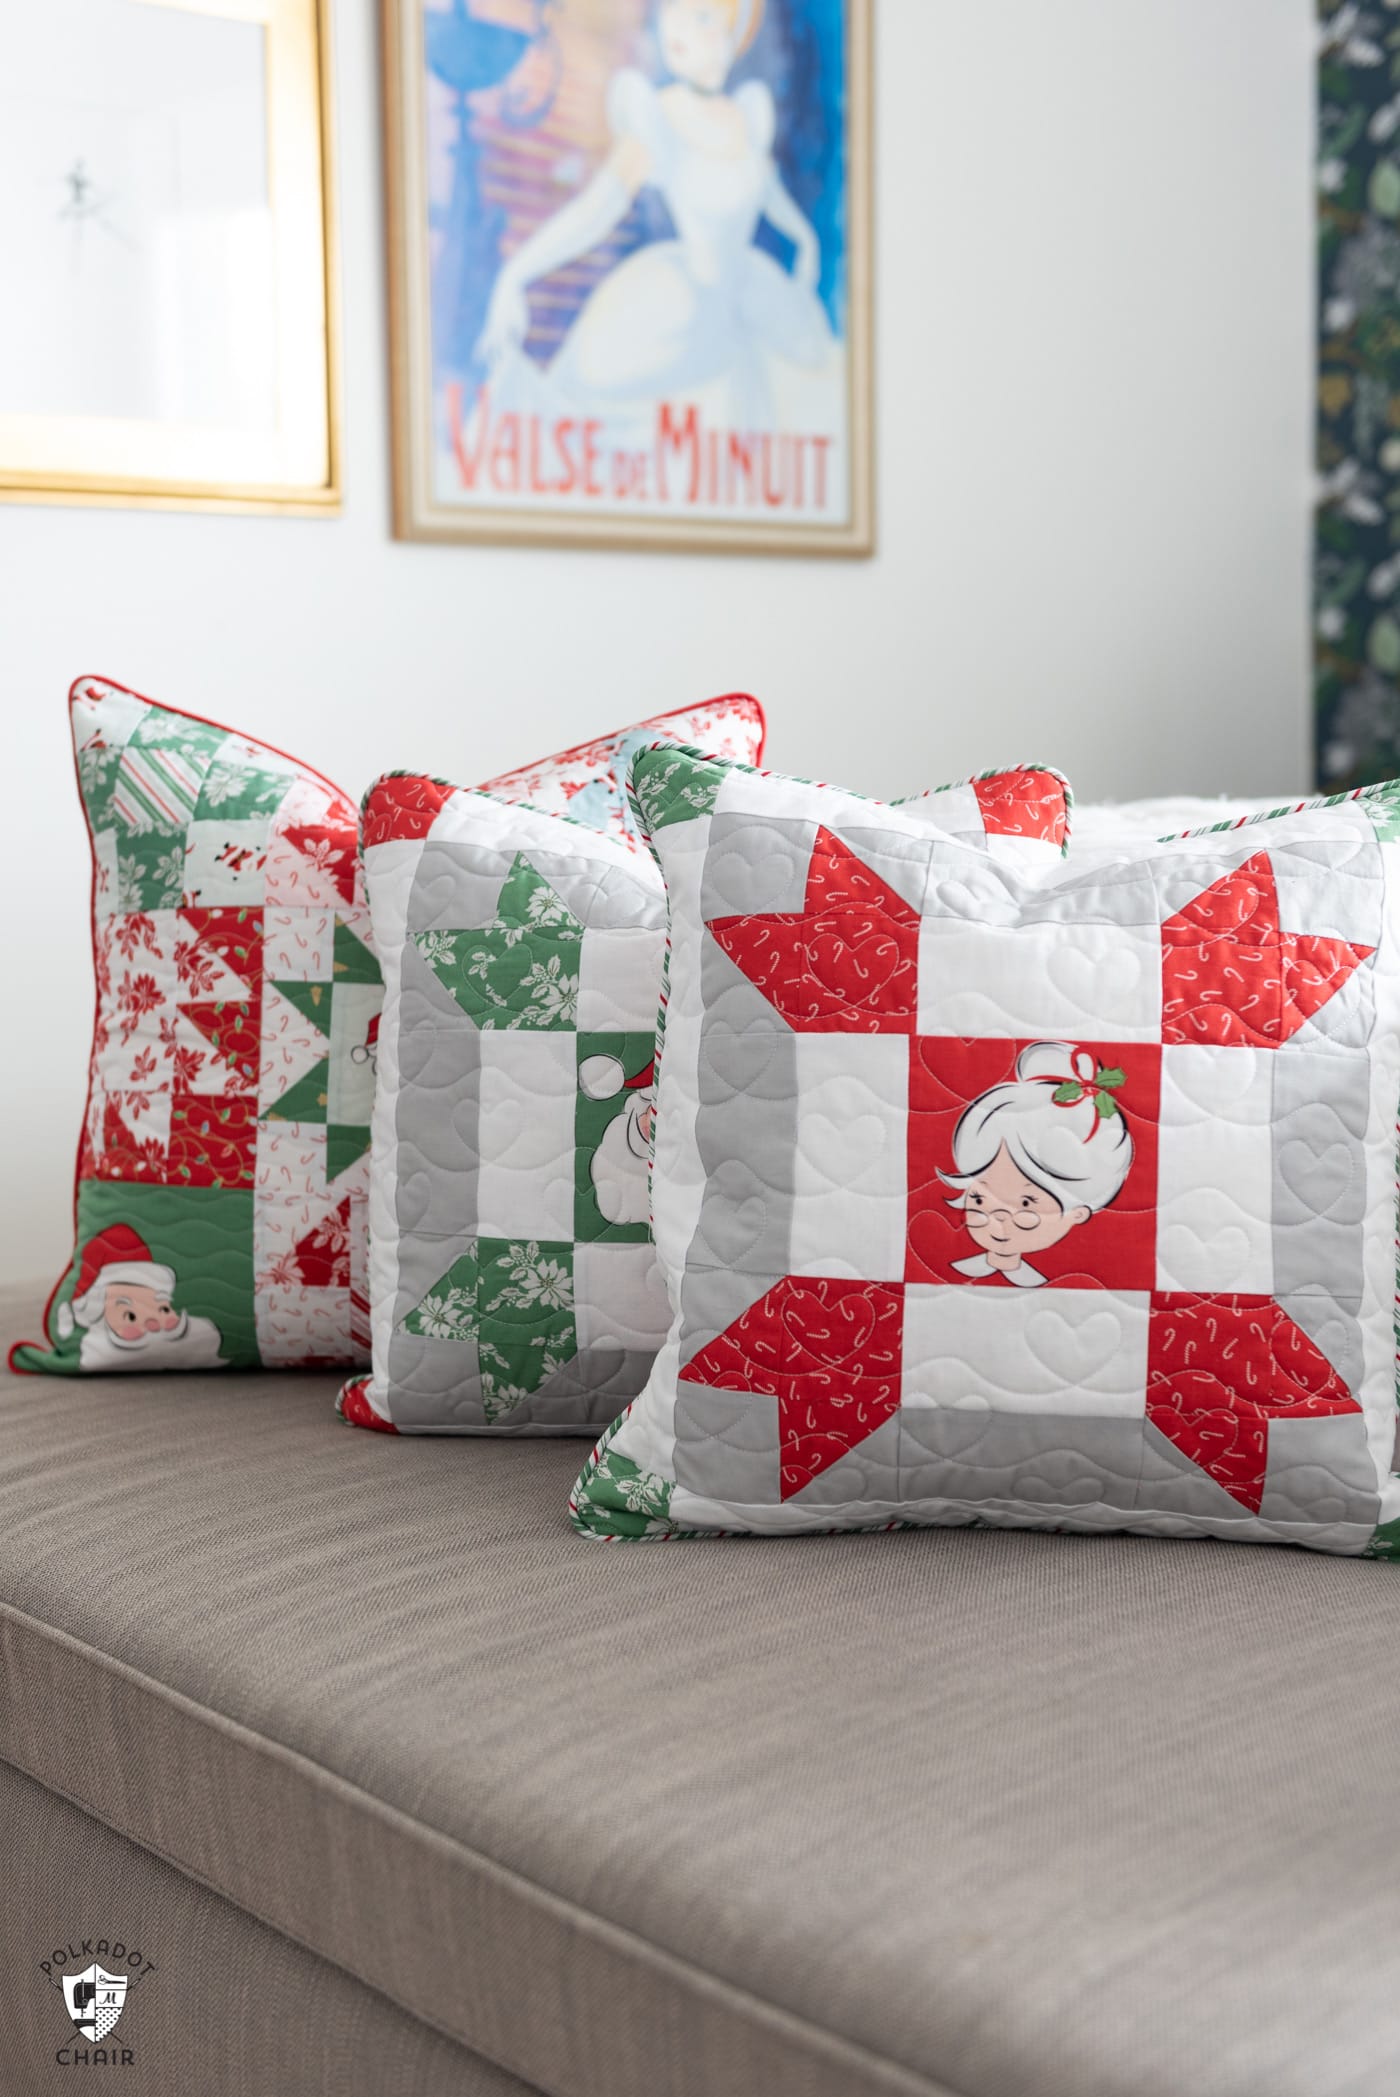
(1060, 1060)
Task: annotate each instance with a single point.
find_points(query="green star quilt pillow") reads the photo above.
(223, 1173)
(1058, 1197)
(514, 1284)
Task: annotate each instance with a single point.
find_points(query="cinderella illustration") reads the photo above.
(1037, 1157)
(705, 317)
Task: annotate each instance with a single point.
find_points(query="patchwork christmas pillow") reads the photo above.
(514, 1282)
(1059, 1199)
(222, 1179)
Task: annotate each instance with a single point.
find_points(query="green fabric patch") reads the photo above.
(234, 791)
(306, 1099)
(312, 1001)
(150, 870)
(1385, 1541)
(520, 971)
(204, 1233)
(1383, 807)
(516, 1301)
(593, 1118)
(97, 769)
(618, 1498)
(199, 742)
(351, 959)
(672, 786)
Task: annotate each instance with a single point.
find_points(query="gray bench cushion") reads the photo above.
(950, 1811)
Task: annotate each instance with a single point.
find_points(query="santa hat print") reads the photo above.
(114, 1256)
(603, 1077)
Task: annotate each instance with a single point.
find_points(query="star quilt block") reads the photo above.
(1057, 1194)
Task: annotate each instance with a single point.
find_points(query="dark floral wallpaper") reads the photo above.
(1357, 575)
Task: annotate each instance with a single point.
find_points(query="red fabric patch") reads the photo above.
(213, 1140)
(848, 964)
(1219, 1369)
(1232, 979)
(236, 936)
(398, 807)
(323, 1254)
(330, 847)
(232, 1032)
(122, 1152)
(356, 1408)
(831, 1352)
(1115, 1249)
(1022, 804)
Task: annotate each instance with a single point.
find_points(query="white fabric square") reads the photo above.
(298, 945)
(1215, 1170)
(1075, 1353)
(1029, 981)
(850, 1167)
(224, 861)
(619, 979)
(529, 1090)
(619, 1297)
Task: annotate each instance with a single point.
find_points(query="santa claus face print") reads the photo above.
(130, 1312)
(1010, 1217)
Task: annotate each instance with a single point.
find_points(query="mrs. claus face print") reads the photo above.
(1036, 1157)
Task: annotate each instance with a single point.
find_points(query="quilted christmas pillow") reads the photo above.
(1062, 1199)
(222, 1178)
(513, 1278)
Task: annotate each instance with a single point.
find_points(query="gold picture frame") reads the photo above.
(289, 461)
(434, 436)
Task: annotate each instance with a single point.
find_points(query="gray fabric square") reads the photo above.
(603, 897)
(747, 1127)
(1321, 1471)
(456, 887)
(902, 862)
(1321, 1105)
(1170, 1484)
(437, 1124)
(1048, 1461)
(598, 1380)
(712, 1298)
(434, 1383)
(425, 1000)
(756, 865)
(727, 1445)
(1331, 889)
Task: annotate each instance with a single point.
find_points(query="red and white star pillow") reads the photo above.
(1058, 1197)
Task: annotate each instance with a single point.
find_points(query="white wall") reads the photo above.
(1094, 374)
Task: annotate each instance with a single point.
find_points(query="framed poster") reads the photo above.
(168, 257)
(630, 258)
